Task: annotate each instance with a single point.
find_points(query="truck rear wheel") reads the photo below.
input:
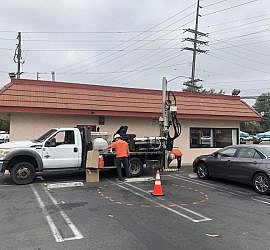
(136, 167)
(23, 173)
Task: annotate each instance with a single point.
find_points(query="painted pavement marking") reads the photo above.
(58, 237)
(65, 184)
(222, 189)
(200, 219)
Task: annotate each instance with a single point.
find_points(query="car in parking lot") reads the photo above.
(249, 164)
(264, 136)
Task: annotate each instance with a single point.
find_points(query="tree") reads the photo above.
(251, 127)
(200, 89)
(262, 106)
(4, 125)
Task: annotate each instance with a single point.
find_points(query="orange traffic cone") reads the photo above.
(157, 187)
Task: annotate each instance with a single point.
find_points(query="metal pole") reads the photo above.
(53, 76)
(164, 112)
(165, 126)
(19, 55)
(195, 47)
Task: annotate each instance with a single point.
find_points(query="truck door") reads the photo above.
(61, 151)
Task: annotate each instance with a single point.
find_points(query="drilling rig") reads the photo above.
(167, 120)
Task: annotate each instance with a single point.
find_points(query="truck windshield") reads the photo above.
(45, 136)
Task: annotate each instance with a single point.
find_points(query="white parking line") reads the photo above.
(216, 187)
(211, 186)
(140, 179)
(55, 231)
(203, 218)
(261, 201)
(65, 184)
(176, 205)
(74, 229)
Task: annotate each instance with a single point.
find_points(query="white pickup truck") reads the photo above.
(66, 149)
(4, 136)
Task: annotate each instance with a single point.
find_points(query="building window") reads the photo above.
(101, 120)
(155, 122)
(213, 137)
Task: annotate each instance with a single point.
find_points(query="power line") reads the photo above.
(243, 44)
(243, 81)
(243, 35)
(234, 21)
(6, 49)
(98, 50)
(240, 25)
(95, 32)
(249, 60)
(215, 3)
(140, 34)
(91, 41)
(161, 62)
(234, 63)
(112, 72)
(8, 31)
(229, 8)
(115, 57)
(243, 49)
(121, 55)
(240, 46)
(151, 59)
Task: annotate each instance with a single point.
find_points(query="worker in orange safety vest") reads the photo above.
(177, 155)
(122, 155)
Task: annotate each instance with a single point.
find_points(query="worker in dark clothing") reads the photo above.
(121, 148)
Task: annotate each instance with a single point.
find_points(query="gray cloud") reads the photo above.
(231, 62)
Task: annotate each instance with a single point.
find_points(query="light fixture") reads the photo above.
(236, 92)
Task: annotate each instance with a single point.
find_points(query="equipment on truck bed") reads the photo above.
(168, 119)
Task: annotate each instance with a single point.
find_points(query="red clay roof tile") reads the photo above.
(23, 95)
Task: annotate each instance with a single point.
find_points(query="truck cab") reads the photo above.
(59, 148)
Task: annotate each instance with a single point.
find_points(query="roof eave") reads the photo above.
(87, 112)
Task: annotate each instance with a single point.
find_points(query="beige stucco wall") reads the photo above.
(30, 126)
(189, 154)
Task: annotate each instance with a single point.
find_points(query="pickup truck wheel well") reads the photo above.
(136, 166)
(17, 159)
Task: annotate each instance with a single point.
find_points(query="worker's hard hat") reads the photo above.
(117, 136)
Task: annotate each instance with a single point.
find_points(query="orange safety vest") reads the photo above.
(121, 148)
(177, 152)
(100, 162)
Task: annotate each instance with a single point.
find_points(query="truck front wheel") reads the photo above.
(136, 167)
(23, 173)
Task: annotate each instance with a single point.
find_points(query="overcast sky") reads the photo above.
(135, 43)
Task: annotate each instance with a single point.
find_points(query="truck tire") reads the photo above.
(23, 173)
(136, 167)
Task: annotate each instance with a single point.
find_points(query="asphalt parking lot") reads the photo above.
(63, 212)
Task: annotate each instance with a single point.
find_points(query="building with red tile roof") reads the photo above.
(33, 106)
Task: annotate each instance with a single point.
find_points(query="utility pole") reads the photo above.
(164, 123)
(38, 75)
(195, 49)
(18, 55)
(53, 76)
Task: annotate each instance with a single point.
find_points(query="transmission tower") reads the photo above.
(192, 84)
(18, 55)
